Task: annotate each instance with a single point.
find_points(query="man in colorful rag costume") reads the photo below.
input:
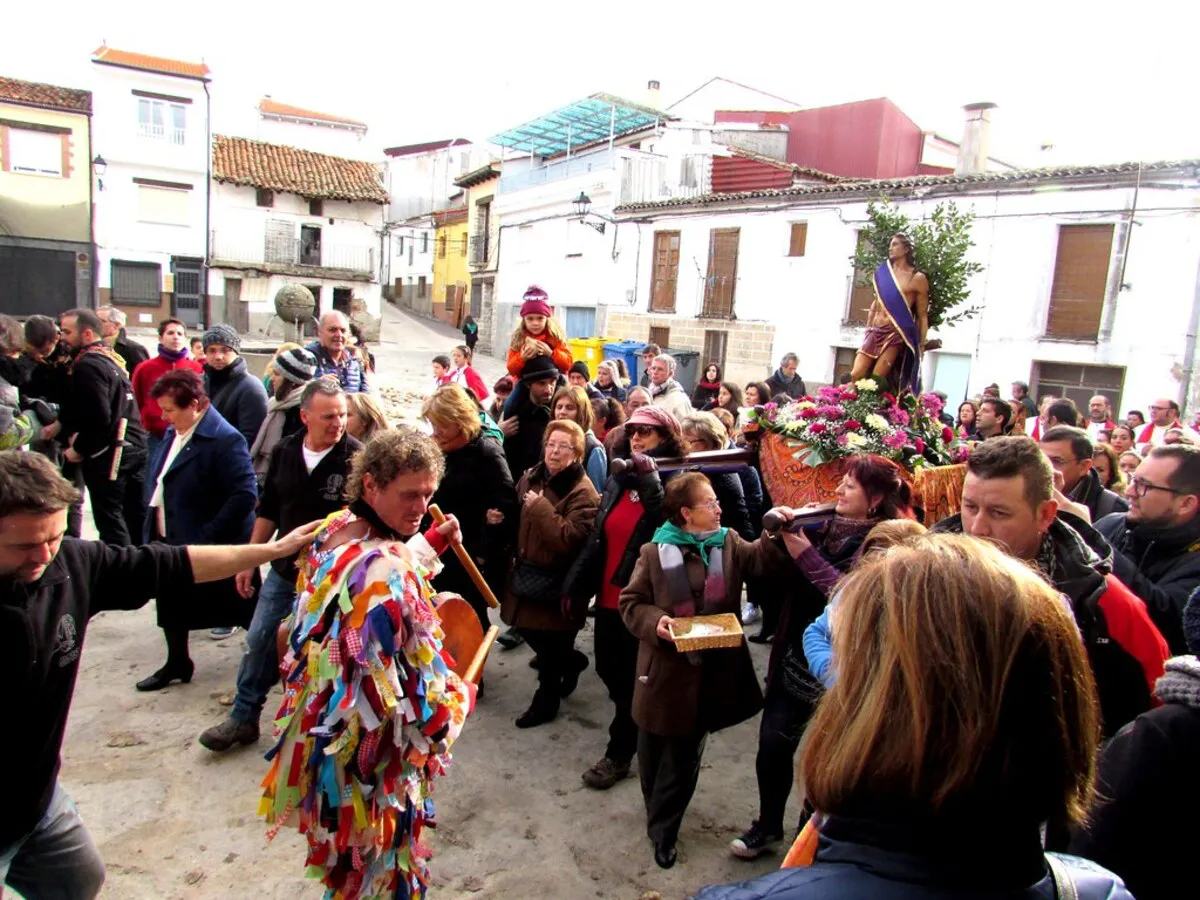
(897, 322)
(370, 704)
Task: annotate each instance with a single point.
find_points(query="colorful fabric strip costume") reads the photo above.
(369, 713)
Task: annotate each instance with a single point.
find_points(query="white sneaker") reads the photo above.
(220, 634)
(750, 613)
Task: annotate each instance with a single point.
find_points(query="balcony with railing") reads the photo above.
(157, 131)
(293, 257)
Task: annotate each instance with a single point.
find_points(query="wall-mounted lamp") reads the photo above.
(99, 166)
(582, 204)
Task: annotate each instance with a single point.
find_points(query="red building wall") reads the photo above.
(731, 174)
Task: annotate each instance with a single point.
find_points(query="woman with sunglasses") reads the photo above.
(630, 512)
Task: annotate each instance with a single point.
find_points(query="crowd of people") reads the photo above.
(979, 708)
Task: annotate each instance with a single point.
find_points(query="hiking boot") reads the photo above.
(605, 774)
(754, 843)
(221, 737)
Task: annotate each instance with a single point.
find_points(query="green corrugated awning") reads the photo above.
(584, 122)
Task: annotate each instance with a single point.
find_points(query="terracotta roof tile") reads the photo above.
(267, 106)
(411, 149)
(943, 184)
(113, 57)
(47, 96)
(293, 171)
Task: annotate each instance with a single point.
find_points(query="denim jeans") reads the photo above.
(260, 666)
(55, 861)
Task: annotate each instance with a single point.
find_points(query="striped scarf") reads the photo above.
(104, 350)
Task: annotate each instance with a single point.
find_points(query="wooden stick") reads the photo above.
(465, 558)
(475, 669)
(119, 450)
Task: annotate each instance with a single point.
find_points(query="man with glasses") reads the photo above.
(1164, 415)
(1156, 545)
(1070, 453)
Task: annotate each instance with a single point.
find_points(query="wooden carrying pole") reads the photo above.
(465, 558)
(481, 655)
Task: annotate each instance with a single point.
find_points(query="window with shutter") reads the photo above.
(715, 343)
(660, 336)
(861, 297)
(666, 271)
(1076, 382)
(1080, 282)
(136, 284)
(722, 273)
(799, 239)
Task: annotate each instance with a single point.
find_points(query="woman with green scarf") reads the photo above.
(692, 566)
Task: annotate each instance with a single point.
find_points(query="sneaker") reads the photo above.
(754, 843)
(750, 613)
(221, 737)
(605, 774)
(219, 634)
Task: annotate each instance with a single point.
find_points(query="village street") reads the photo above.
(172, 820)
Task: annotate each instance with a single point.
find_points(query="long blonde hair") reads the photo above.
(370, 412)
(553, 328)
(963, 686)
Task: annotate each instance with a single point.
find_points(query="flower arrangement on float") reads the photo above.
(863, 417)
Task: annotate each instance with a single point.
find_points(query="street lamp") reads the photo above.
(99, 166)
(582, 204)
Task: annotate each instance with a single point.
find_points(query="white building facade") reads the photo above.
(282, 215)
(1090, 280)
(151, 138)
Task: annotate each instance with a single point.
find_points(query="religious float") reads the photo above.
(808, 443)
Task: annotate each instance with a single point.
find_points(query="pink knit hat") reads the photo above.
(537, 302)
(655, 417)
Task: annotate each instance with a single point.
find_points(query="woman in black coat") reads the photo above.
(477, 482)
(200, 489)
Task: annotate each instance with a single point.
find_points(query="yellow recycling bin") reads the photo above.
(588, 350)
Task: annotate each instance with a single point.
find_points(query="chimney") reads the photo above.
(653, 99)
(973, 151)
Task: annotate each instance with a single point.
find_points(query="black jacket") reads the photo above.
(292, 496)
(238, 396)
(705, 397)
(780, 384)
(132, 352)
(100, 396)
(42, 626)
(50, 378)
(524, 449)
(1160, 565)
(477, 479)
(1099, 500)
(1124, 648)
(734, 511)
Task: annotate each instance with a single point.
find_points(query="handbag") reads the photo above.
(536, 584)
(797, 681)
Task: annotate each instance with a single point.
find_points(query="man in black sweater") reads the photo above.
(304, 482)
(50, 587)
(100, 400)
(112, 330)
(523, 430)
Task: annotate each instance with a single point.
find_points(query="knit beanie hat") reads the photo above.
(581, 368)
(539, 368)
(297, 365)
(656, 417)
(536, 302)
(1191, 622)
(222, 334)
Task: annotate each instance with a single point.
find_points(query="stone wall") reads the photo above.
(748, 346)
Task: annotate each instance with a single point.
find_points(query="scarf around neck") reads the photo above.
(101, 349)
(1180, 682)
(670, 533)
(657, 390)
(672, 541)
(172, 355)
(367, 513)
(271, 431)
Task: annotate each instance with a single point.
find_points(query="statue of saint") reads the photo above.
(898, 320)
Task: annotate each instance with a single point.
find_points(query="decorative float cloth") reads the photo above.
(936, 489)
(370, 710)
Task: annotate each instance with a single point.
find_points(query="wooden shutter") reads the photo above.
(799, 239)
(661, 336)
(722, 273)
(861, 297)
(1080, 281)
(666, 271)
(715, 343)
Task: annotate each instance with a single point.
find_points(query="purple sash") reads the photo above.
(908, 364)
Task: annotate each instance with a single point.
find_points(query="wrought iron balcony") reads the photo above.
(291, 253)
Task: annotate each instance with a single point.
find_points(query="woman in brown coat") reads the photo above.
(691, 567)
(558, 508)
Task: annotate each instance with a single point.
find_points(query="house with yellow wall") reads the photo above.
(451, 275)
(483, 247)
(46, 244)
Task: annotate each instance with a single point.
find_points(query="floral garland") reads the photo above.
(864, 418)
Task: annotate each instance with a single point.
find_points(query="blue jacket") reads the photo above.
(818, 648)
(210, 491)
(349, 372)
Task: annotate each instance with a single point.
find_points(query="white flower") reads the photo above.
(805, 404)
(867, 384)
(854, 439)
(877, 422)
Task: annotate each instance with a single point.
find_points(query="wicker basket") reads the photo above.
(730, 636)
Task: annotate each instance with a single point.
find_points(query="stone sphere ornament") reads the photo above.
(295, 303)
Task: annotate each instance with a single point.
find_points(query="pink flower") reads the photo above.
(843, 441)
(831, 412)
(816, 427)
(962, 453)
(920, 445)
(848, 395)
(895, 440)
(898, 416)
(809, 412)
(933, 403)
(829, 394)
(852, 425)
(890, 399)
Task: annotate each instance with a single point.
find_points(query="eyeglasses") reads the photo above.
(713, 504)
(1140, 486)
(1057, 461)
(560, 448)
(1159, 408)
(640, 430)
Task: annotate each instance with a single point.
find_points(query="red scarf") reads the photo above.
(1147, 435)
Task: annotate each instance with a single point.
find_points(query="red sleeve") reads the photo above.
(148, 409)
(475, 383)
(1129, 625)
(562, 357)
(515, 362)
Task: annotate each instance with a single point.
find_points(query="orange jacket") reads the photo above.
(559, 352)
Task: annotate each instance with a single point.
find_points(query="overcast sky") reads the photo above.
(1100, 86)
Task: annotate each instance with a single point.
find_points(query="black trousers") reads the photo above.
(784, 718)
(73, 474)
(669, 769)
(616, 664)
(555, 652)
(117, 505)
